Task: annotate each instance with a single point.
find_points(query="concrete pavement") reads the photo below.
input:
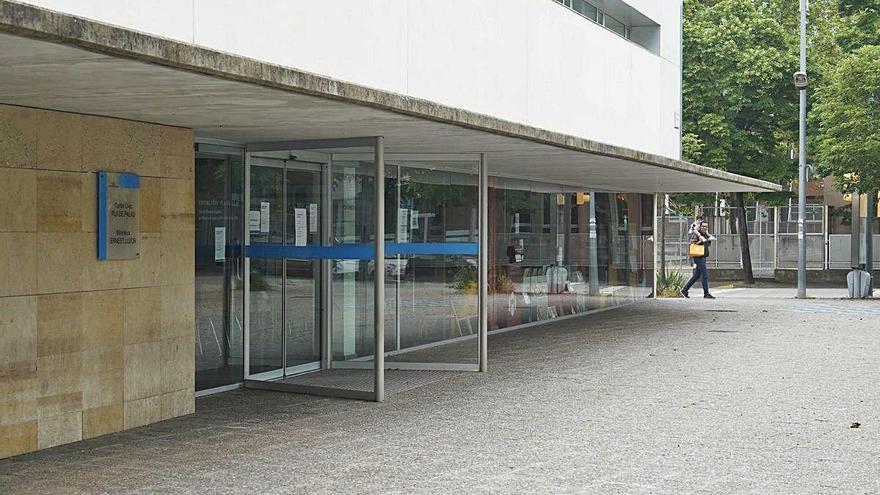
(750, 393)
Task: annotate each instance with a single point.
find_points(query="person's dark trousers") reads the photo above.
(701, 271)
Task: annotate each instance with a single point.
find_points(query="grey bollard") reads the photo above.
(858, 283)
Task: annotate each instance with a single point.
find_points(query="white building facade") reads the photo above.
(537, 62)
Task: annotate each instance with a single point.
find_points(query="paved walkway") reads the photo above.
(781, 293)
(738, 395)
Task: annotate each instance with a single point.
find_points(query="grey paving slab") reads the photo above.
(751, 393)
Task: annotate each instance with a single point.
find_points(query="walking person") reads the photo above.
(700, 240)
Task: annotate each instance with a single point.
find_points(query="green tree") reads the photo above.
(848, 116)
(861, 26)
(739, 105)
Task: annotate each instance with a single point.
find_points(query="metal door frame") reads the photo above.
(284, 370)
(324, 318)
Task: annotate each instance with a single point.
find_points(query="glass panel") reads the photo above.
(219, 263)
(585, 9)
(438, 297)
(615, 25)
(301, 306)
(395, 266)
(303, 189)
(267, 208)
(266, 275)
(353, 194)
(265, 315)
(302, 280)
(541, 247)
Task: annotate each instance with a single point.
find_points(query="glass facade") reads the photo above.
(219, 278)
(540, 243)
(553, 252)
(351, 300)
(432, 278)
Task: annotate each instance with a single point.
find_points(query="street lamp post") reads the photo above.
(800, 80)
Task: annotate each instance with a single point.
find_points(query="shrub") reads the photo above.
(669, 284)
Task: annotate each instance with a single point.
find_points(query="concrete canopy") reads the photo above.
(57, 61)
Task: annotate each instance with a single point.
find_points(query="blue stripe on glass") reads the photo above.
(311, 252)
(429, 248)
(102, 215)
(360, 251)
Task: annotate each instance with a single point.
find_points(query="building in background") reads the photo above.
(196, 194)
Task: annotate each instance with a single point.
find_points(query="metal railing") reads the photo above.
(772, 240)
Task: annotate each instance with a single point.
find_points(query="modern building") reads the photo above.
(197, 196)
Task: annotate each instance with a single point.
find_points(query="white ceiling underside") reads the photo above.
(41, 74)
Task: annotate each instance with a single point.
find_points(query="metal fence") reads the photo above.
(773, 240)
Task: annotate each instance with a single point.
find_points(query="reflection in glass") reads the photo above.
(352, 190)
(301, 305)
(302, 277)
(219, 307)
(554, 252)
(540, 247)
(265, 315)
(436, 294)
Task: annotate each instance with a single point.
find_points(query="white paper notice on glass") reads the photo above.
(299, 224)
(219, 243)
(414, 219)
(313, 217)
(264, 217)
(402, 225)
(254, 221)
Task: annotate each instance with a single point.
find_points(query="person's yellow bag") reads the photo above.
(697, 251)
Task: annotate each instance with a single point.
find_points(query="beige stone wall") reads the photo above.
(90, 347)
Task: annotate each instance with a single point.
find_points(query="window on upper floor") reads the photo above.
(613, 24)
(593, 13)
(585, 9)
(620, 18)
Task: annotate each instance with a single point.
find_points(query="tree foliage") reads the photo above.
(861, 26)
(848, 115)
(738, 98)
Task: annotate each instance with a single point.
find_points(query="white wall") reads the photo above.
(530, 61)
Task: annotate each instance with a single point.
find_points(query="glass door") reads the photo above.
(302, 276)
(311, 245)
(285, 278)
(266, 288)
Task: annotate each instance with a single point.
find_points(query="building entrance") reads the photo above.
(355, 265)
(285, 286)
